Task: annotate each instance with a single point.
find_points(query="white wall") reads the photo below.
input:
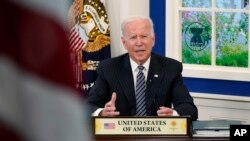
(117, 10)
(212, 107)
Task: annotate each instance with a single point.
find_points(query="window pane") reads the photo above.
(196, 3)
(196, 37)
(234, 4)
(232, 39)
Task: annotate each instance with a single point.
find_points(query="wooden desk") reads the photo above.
(110, 138)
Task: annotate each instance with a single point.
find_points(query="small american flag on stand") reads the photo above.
(109, 125)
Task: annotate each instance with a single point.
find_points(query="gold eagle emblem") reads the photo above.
(92, 17)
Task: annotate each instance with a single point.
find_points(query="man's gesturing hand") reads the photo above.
(164, 111)
(109, 108)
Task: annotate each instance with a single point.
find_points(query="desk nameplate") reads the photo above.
(142, 126)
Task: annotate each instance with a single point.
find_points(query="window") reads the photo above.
(213, 37)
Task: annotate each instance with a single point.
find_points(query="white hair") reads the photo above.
(134, 18)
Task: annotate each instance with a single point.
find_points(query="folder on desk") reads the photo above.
(213, 128)
(214, 124)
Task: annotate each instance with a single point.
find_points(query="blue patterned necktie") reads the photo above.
(140, 93)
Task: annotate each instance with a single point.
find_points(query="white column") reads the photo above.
(117, 10)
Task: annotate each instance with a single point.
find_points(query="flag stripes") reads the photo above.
(75, 40)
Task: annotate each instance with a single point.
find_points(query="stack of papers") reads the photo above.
(213, 128)
(211, 133)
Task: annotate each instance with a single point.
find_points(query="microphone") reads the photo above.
(148, 82)
(155, 105)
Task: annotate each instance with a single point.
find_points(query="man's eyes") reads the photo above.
(133, 37)
(142, 37)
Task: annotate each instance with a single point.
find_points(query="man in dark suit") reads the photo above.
(115, 90)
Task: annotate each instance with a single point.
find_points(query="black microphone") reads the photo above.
(156, 103)
(148, 82)
(155, 106)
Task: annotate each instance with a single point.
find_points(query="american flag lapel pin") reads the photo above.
(156, 75)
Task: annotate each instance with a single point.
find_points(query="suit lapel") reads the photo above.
(155, 75)
(126, 81)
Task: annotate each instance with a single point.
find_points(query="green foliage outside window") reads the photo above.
(232, 39)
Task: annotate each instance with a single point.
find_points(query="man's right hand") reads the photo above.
(109, 108)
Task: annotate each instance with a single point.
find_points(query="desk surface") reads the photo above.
(145, 138)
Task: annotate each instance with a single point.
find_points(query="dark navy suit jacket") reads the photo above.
(164, 87)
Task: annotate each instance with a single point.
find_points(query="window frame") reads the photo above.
(174, 46)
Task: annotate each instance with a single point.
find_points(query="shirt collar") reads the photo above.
(134, 65)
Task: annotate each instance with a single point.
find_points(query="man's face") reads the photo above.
(138, 40)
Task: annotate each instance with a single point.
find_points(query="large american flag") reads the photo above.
(77, 41)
